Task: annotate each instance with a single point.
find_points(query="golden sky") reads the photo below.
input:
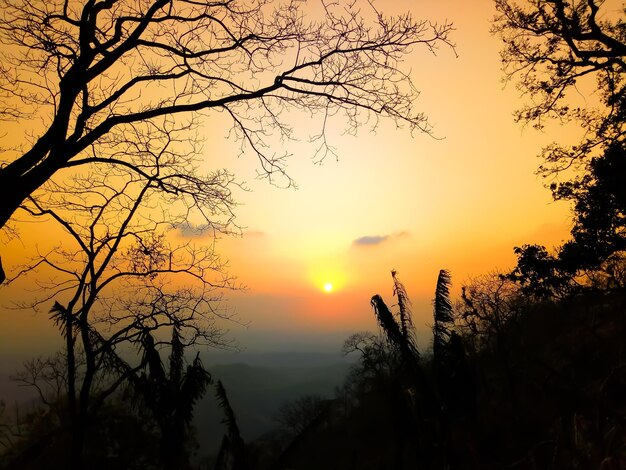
(390, 201)
(393, 201)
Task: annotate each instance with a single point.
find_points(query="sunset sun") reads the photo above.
(327, 277)
(338, 208)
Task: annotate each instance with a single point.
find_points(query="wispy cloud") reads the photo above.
(189, 230)
(370, 240)
(373, 240)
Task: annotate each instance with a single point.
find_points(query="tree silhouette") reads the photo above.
(599, 199)
(101, 73)
(377, 362)
(118, 435)
(118, 277)
(171, 395)
(598, 233)
(489, 303)
(295, 416)
(540, 273)
(550, 47)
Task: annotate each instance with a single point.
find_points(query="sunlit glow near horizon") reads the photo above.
(310, 260)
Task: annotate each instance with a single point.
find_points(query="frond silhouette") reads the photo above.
(404, 306)
(442, 313)
(231, 455)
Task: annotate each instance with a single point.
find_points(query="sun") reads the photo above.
(327, 279)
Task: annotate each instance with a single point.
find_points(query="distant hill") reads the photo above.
(258, 385)
(279, 359)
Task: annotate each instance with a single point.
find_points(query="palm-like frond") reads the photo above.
(153, 359)
(442, 313)
(176, 358)
(404, 306)
(63, 319)
(387, 322)
(229, 415)
(231, 455)
(192, 388)
(443, 305)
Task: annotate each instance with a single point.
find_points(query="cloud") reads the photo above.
(370, 240)
(374, 240)
(189, 230)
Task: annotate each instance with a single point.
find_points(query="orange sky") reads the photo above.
(461, 203)
(391, 201)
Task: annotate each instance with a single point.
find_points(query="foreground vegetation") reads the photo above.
(510, 381)
(526, 370)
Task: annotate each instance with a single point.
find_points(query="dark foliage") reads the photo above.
(540, 273)
(598, 232)
(543, 388)
(549, 48)
(171, 396)
(518, 383)
(599, 199)
(117, 437)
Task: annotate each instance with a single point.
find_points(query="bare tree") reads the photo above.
(491, 308)
(550, 48)
(488, 304)
(96, 71)
(120, 275)
(376, 360)
(296, 415)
